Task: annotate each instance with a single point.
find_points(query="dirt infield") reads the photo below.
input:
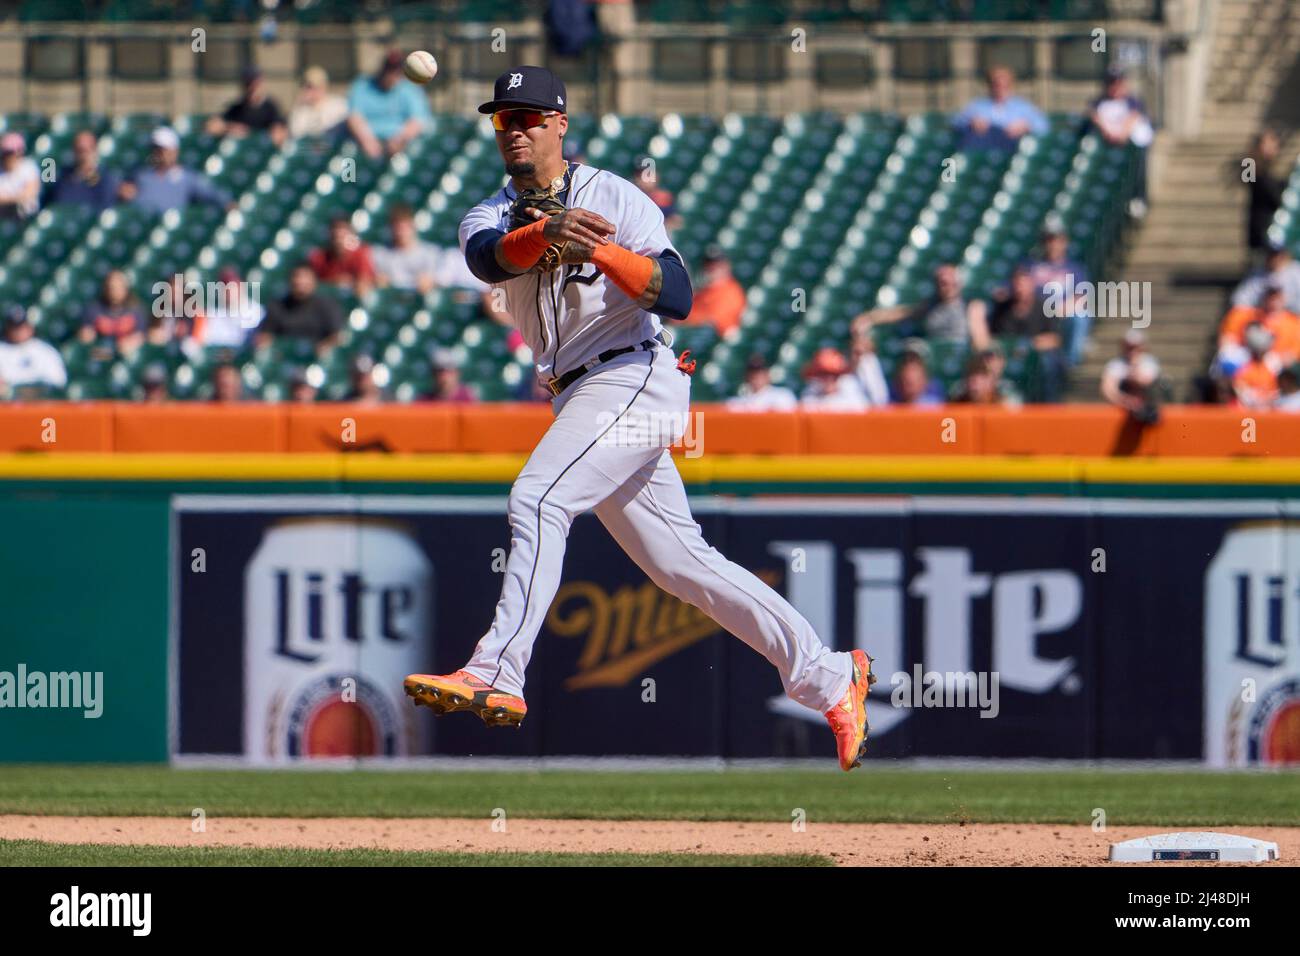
(849, 844)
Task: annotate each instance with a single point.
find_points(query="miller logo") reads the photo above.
(626, 631)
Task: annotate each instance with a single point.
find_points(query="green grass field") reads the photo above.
(873, 794)
(36, 853)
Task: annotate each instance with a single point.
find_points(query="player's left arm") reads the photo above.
(642, 262)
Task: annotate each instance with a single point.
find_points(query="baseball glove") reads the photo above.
(543, 200)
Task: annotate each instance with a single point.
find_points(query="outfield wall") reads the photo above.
(1130, 609)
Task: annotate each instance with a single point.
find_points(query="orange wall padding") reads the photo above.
(1081, 430)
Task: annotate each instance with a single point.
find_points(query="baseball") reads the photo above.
(420, 67)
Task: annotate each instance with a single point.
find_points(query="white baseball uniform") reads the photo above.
(607, 451)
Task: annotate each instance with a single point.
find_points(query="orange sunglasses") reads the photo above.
(528, 119)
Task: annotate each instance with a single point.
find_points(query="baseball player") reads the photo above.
(587, 270)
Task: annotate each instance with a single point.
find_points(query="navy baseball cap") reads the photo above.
(533, 86)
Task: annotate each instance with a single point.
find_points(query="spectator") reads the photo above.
(995, 359)
(166, 184)
(1129, 381)
(1023, 316)
(758, 394)
(386, 111)
(1266, 189)
(831, 386)
(153, 384)
(719, 299)
(115, 316)
(412, 264)
(447, 386)
(912, 384)
(1279, 270)
(363, 385)
(302, 386)
(646, 179)
(866, 363)
(998, 120)
(979, 384)
(86, 184)
(1288, 389)
(1272, 315)
(176, 313)
(26, 362)
(302, 314)
(345, 260)
(236, 313)
(1255, 384)
(1121, 118)
(1058, 276)
(254, 112)
(944, 317)
(317, 112)
(227, 386)
(20, 180)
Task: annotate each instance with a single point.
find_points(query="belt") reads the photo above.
(557, 385)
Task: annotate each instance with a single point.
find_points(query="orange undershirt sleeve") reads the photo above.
(627, 270)
(524, 246)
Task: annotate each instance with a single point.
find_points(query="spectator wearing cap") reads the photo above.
(1129, 380)
(997, 121)
(1254, 384)
(1121, 118)
(831, 386)
(945, 316)
(303, 313)
(345, 260)
(1273, 315)
(447, 386)
(758, 394)
(386, 110)
(719, 298)
(1279, 270)
(26, 362)
(317, 111)
(1059, 276)
(87, 184)
(866, 363)
(20, 180)
(912, 382)
(254, 112)
(165, 184)
(235, 314)
(979, 383)
(115, 316)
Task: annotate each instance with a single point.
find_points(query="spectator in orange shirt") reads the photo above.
(345, 260)
(1255, 383)
(1273, 315)
(719, 300)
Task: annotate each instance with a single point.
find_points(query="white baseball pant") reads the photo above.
(607, 451)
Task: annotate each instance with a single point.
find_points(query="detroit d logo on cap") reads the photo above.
(516, 80)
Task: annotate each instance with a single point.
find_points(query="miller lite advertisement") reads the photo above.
(1042, 628)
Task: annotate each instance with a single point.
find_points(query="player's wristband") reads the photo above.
(522, 247)
(639, 277)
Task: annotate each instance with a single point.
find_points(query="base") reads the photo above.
(1194, 847)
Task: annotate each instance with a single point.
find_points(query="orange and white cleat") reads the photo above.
(848, 718)
(446, 693)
